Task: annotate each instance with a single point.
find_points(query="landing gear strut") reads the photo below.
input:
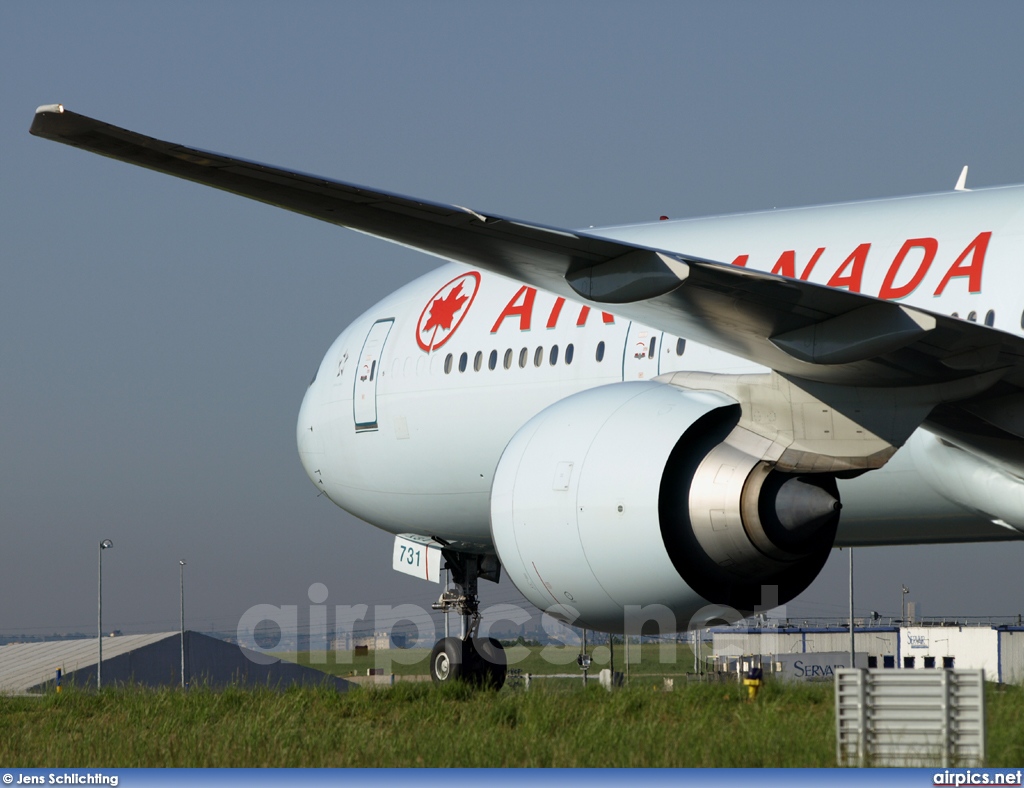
(469, 658)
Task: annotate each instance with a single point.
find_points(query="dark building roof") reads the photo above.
(149, 660)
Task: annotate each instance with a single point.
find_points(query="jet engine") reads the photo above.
(638, 494)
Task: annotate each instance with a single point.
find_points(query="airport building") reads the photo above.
(998, 650)
(375, 641)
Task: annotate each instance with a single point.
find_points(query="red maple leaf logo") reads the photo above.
(442, 311)
(442, 316)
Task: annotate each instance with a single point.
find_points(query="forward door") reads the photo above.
(368, 370)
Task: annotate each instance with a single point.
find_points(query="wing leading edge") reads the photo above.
(801, 330)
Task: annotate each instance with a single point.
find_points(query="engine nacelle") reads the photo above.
(642, 493)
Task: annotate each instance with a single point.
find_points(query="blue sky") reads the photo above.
(158, 336)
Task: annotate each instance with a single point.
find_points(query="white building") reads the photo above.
(378, 641)
(999, 651)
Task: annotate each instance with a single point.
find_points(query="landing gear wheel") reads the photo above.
(491, 664)
(446, 661)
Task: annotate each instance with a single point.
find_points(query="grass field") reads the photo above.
(416, 724)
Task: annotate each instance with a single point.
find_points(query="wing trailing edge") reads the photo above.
(802, 330)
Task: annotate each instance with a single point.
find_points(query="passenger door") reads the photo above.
(368, 370)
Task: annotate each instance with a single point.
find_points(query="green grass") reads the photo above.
(417, 724)
(1004, 724)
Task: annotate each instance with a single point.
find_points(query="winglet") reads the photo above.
(961, 182)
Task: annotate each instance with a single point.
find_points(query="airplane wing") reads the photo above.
(802, 330)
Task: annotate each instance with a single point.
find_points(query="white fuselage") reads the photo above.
(414, 403)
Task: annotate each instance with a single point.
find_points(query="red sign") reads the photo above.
(446, 310)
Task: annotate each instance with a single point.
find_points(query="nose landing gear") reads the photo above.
(468, 658)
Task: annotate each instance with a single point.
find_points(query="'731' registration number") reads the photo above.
(417, 558)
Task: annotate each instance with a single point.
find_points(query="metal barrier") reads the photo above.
(910, 717)
(519, 678)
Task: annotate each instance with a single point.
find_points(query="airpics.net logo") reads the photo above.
(399, 632)
(973, 777)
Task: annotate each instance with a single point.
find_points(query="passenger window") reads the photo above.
(448, 364)
(478, 361)
(681, 346)
(492, 362)
(650, 350)
(569, 350)
(538, 357)
(553, 356)
(990, 318)
(508, 359)
(600, 351)
(463, 361)
(957, 316)
(524, 355)
(373, 369)
(972, 316)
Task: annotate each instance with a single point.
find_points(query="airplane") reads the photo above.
(641, 423)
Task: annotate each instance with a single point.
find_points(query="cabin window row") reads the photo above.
(539, 356)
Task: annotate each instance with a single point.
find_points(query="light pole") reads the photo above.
(105, 544)
(181, 572)
(853, 656)
(903, 603)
